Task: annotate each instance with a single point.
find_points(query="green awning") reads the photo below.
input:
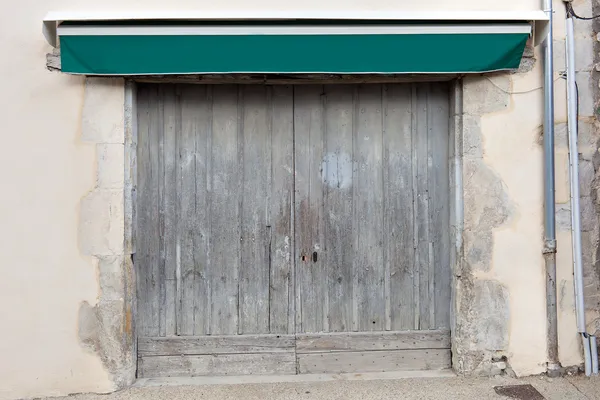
(372, 48)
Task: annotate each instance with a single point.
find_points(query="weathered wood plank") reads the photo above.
(310, 276)
(162, 290)
(338, 174)
(439, 189)
(282, 186)
(286, 79)
(147, 259)
(190, 268)
(170, 154)
(422, 206)
(170, 307)
(214, 365)
(365, 341)
(386, 225)
(193, 345)
(141, 211)
(398, 207)
(201, 223)
(368, 256)
(374, 361)
(255, 214)
(414, 159)
(225, 202)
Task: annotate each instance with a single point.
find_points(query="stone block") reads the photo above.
(586, 177)
(563, 216)
(589, 249)
(103, 115)
(560, 13)
(486, 206)
(111, 166)
(589, 216)
(102, 329)
(491, 303)
(529, 58)
(472, 143)
(483, 95)
(111, 271)
(584, 53)
(587, 85)
(587, 138)
(560, 101)
(101, 223)
(581, 27)
(561, 136)
(560, 52)
(500, 365)
(561, 177)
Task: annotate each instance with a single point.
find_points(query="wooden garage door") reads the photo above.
(292, 229)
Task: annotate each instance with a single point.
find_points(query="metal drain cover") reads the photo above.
(519, 392)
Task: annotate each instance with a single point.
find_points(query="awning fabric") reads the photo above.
(340, 47)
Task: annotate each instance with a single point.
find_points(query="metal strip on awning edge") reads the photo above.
(54, 18)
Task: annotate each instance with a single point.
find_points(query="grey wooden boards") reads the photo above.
(265, 213)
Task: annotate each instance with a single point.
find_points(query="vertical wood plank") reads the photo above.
(338, 178)
(190, 267)
(141, 242)
(148, 244)
(201, 223)
(415, 259)
(255, 222)
(225, 199)
(161, 213)
(310, 277)
(422, 205)
(170, 153)
(385, 223)
(439, 189)
(368, 261)
(398, 205)
(282, 186)
(356, 307)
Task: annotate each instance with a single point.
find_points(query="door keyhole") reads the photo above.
(314, 257)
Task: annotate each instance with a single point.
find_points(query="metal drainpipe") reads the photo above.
(549, 250)
(588, 341)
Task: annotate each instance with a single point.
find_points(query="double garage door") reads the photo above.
(292, 229)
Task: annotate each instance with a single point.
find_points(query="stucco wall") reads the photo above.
(65, 273)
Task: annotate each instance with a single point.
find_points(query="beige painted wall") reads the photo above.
(272, 5)
(45, 170)
(50, 171)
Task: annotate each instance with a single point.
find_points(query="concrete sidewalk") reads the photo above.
(357, 388)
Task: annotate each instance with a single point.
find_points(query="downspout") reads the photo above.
(549, 250)
(590, 349)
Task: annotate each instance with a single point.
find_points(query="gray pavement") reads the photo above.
(333, 388)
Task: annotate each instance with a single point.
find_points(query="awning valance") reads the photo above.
(367, 46)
